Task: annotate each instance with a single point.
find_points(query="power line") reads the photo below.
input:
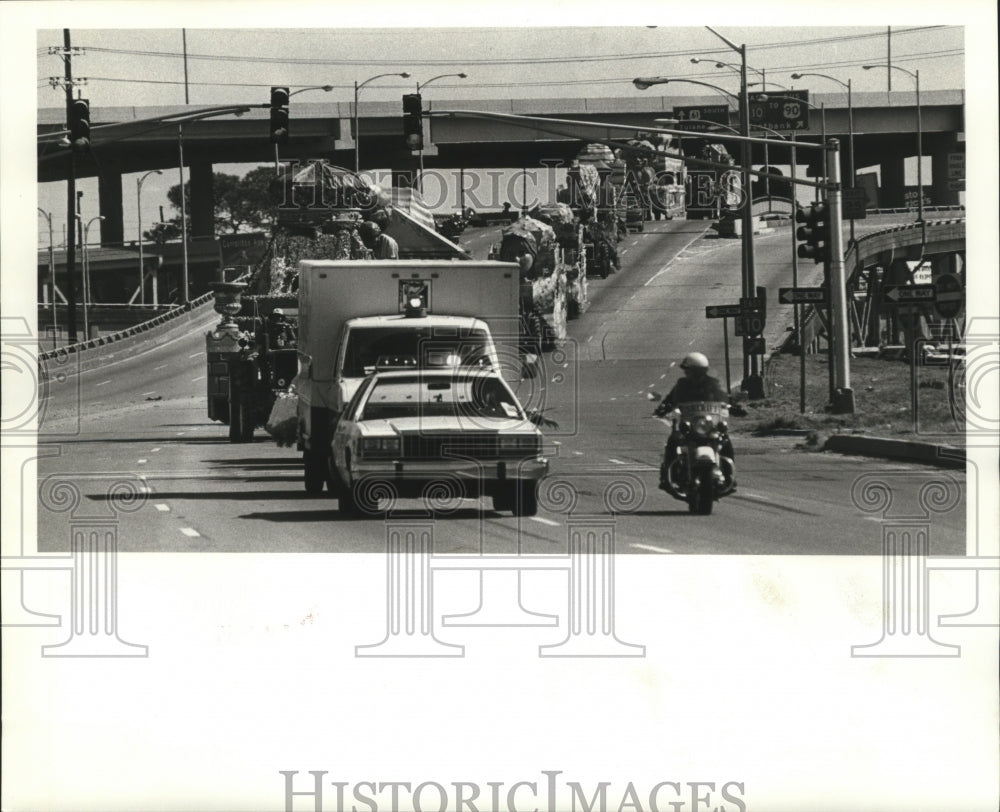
(559, 60)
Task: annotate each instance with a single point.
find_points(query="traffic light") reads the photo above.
(279, 115)
(413, 125)
(79, 124)
(815, 233)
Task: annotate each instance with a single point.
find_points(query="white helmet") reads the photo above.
(694, 360)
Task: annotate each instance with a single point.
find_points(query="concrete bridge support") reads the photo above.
(891, 193)
(109, 192)
(202, 207)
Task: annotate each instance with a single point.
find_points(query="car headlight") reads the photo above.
(380, 447)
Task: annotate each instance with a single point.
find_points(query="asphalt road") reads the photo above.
(143, 420)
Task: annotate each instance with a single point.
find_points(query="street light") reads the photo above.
(138, 198)
(920, 136)
(850, 128)
(86, 273)
(420, 86)
(52, 276)
(324, 88)
(357, 121)
(646, 82)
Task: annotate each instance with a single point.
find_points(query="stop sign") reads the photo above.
(949, 297)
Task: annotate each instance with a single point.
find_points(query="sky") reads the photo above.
(141, 62)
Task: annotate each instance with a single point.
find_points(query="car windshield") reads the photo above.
(432, 347)
(478, 396)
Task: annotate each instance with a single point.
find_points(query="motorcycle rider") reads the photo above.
(696, 385)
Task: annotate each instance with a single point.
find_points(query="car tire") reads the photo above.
(525, 499)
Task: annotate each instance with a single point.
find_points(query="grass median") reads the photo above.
(884, 391)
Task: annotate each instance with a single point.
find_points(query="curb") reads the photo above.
(942, 456)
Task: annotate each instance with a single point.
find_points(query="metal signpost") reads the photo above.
(725, 312)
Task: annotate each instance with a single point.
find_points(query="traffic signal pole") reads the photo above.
(843, 395)
(70, 200)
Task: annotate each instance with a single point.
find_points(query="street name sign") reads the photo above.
(802, 295)
(780, 109)
(723, 311)
(906, 294)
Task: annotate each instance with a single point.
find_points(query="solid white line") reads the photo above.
(190, 532)
(102, 383)
(541, 520)
(685, 248)
(163, 508)
(650, 548)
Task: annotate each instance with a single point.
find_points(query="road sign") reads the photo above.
(754, 346)
(949, 297)
(752, 317)
(853, 203)
(956, 185)
(780, 109)
(702, 117)
(751, 303)
(904, 294)
(802, 295)
(956, 165)
(723, 311)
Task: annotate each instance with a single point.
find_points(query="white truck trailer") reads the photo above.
(431, 313)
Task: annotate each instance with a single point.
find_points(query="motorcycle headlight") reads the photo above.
(703, 426)
(380, 447)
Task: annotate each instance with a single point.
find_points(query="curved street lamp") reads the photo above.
(324, 88)
(850, 127)
(86, 271)
(357, 121)
(420, 86)
(915, 76)
(142, 267)
(646, 82)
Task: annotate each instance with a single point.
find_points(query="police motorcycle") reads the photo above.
(698, 472)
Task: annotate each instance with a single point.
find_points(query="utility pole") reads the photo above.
(70, 200)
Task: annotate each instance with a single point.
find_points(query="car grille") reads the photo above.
(467, 445)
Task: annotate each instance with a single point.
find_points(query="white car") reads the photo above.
(456, 432)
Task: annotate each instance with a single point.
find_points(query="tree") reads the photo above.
(164, 232)
(237, 203)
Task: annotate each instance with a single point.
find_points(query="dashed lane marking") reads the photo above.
(199, 378)
(617, 462)
(196, 355)
(651, 548)
(102, 383)
(153, 450)
(163, 508)
(190, 532)
(542, 520)
(161, 366)
(147, 393)
(142, 462)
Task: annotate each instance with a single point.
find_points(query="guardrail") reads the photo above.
(129, 332)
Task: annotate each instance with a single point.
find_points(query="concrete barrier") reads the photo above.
(942, 456)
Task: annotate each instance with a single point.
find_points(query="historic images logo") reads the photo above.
(548, 794)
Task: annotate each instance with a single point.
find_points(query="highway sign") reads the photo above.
(802, 295)
(904, 294)
(703, 117)
(853, 202)
(949, 298)
(723, 311)
(751, 303)
(780, 109)
(754, 346)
